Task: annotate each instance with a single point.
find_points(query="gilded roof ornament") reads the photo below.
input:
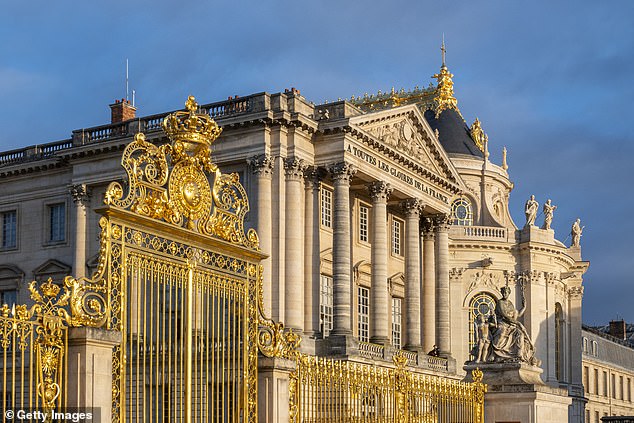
(478, 135)
(444, 98)
(178, 183)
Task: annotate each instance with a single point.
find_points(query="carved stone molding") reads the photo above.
(380, 191)
(575, 292)
(412, 206)
(294, 169)
(455, 274)
(342, 171)
(80, 194)
(261, 165)
(485, 279)
(312, 177)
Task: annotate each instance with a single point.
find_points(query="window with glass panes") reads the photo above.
(9, 229)
(9, 297)
(326, 207)
(396, 322)
(325, 305)
(364, 314)
(57, 222)
(397, 230)
(364, 213)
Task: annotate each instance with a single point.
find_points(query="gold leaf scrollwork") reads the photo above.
(179, 184)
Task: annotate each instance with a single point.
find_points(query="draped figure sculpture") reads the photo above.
(510, 341)
(530, 210)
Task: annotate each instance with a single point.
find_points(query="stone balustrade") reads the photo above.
(478, 233)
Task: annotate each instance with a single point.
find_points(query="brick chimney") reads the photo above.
(617, 329)
(122, 110)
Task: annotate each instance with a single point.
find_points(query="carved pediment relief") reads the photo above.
(52, 268)
(402, 135)
(485, 280)
(404, 132)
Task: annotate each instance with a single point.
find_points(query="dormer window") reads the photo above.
(461, 212)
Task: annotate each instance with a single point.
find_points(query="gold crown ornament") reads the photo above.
(191, 129)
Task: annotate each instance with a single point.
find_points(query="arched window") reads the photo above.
(559, 342)
(481, 304)
(461, 212)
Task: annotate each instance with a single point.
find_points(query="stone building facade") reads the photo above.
(608, 374)
(387, 225)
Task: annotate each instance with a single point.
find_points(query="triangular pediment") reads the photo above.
(405, 130)
(52, 268)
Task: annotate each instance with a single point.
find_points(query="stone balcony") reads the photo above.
(421, 360)
(481, 233)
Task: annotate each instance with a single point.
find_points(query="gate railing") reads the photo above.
(324, 390)
(33, 346)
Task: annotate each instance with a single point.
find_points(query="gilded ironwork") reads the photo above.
(33, 344)
(178, 183)
(327, 390)
(478, 135)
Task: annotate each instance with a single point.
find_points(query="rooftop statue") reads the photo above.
(530, 209)
(548, 214)
(576, 232)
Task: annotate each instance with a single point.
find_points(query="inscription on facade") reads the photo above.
(395, 172)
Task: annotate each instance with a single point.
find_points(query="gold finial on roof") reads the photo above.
(444, 91)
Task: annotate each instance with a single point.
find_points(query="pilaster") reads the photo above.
(311, 252)
(81, 197)
(262, 167)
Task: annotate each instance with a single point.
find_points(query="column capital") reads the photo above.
(80, 194)
(294, 168)
(427, 227)
(312, 177)
(379, 191)
(442, 222)
(342, 171)
(412, 207)
(261, 165)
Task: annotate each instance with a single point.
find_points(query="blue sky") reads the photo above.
(551, 81)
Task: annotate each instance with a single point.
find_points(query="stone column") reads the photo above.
(575, 296)
(262, 167)
(311, 253)
(442, 286)
(294, 245)
(429, 286)
(379, 295)
(412, 209)
(81, 198)
(342, 174)
(90, 369)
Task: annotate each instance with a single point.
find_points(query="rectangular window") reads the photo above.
(621, 396)
(9, 298)
(629, 389)
(605, 384)
(363, 223)
(9, 229)
(586, 380)
(597, 418)
(397, 231)
(325, 305)
(613, 386)
(364, 314)
(397, 314)
(326, 208)
(596, 381)
(57, 222)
